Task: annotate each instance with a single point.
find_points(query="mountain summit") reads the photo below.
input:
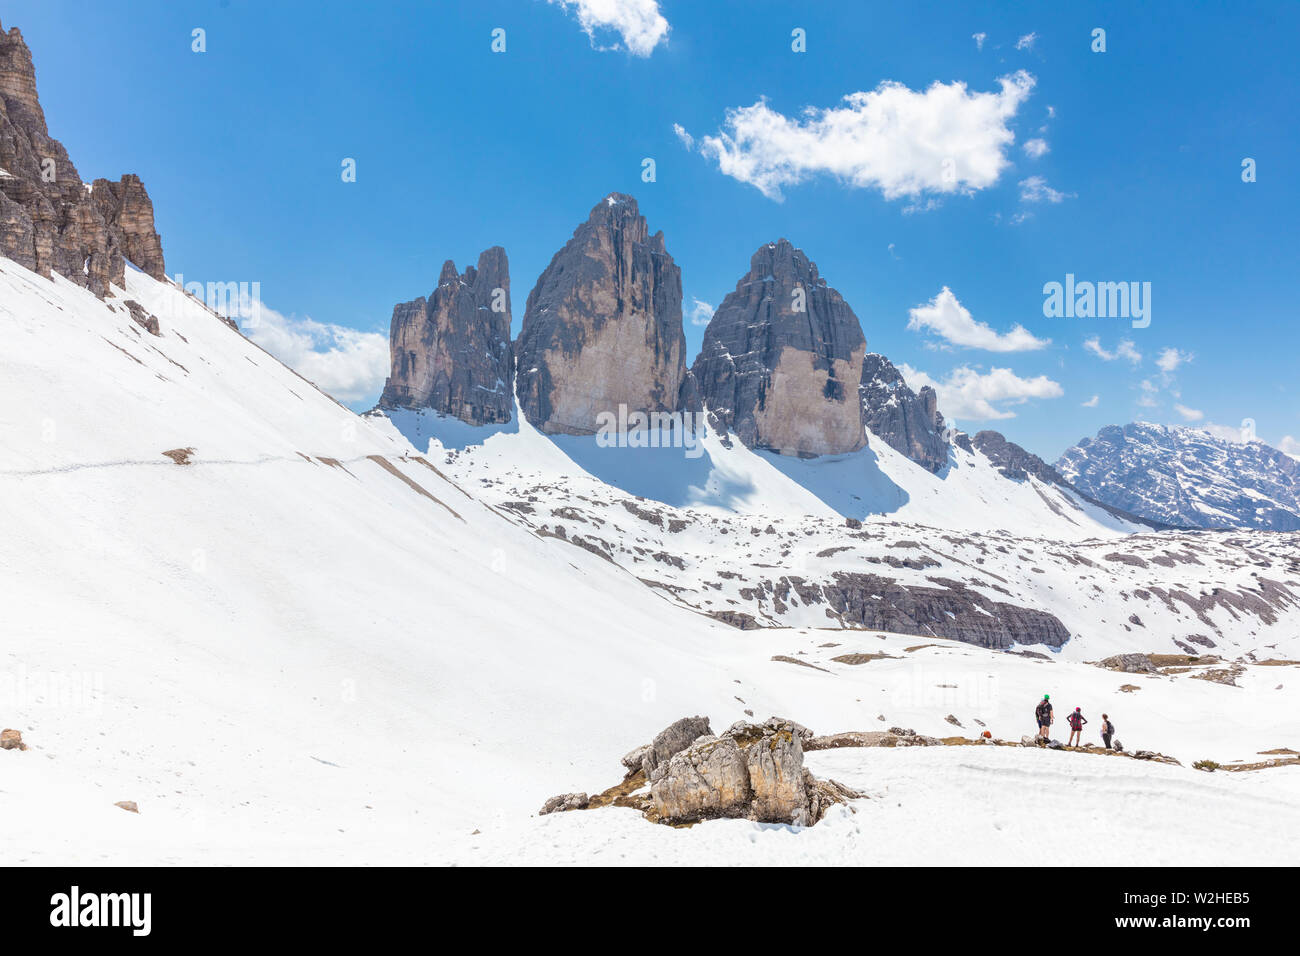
(603, 326)
(782, 359)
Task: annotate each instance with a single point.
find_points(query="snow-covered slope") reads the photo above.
(1187, 476)
(756, 539)
(877, 484)
(310, 645)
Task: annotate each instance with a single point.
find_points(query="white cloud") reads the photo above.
(1036, 148)
(1189, 414)
(900, 141)
(345, 363)
(1170, 359)
(1026, 42)
(687, 139)
(971, 395)
(1125, 350)
(1035, 189)
(1225, 432)
(1092, 402)
(951, 321)
(700, 312)
(979, 39)
(1290, 445)
(1149, 392)
(638, 22)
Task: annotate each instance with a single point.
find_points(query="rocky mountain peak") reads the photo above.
(907, 421)
(451, 352)
(18, 79)
(782, 359)
(50, 221)
(603, 326)
(1187, 476)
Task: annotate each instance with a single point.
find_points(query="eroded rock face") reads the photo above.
(782, 359)
(603, 326)
(907, 421)
(50, 221)
(776, 774)
(708, 779)
(451, 352)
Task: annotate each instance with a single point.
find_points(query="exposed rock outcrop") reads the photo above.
(1013, 461)
(754, 771)
(603, 326)
(451, 352)
(143, 317)
(708, 779)
(782, 359)
(12, 740)
(950, 610)
(50, 221)
(908, 422)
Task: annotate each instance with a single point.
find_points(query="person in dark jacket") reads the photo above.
(1107, 731)
(1076, 721)
(1043, 714)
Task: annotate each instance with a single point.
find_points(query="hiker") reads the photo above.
(1076, 721)
(1107, 731)
(1043, 714)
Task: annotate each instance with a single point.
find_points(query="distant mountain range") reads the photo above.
(1187, 476)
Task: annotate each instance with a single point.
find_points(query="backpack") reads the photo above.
(1076, 721)
(1041, 712)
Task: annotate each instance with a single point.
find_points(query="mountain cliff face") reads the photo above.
(782, 359)
(603, 326)
(451, 352)
(50, 221)
(907, 421)
(1187, 476)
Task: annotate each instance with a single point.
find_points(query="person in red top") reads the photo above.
(1076, 721)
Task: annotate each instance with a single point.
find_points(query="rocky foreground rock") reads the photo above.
(909, 422)
(782, 359)
(451, 352)
(750, 771)
(603, 327)
(50, 220)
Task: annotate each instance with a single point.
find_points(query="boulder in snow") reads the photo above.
(564, 801)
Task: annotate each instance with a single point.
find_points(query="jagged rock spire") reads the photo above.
(603, 326)
(782, 359)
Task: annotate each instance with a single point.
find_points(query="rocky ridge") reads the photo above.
(907, 421)
(1188, 477)
(50, 220)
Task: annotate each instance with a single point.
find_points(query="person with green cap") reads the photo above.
(1043, 714)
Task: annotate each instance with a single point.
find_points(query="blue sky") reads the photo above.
(1137, 176)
